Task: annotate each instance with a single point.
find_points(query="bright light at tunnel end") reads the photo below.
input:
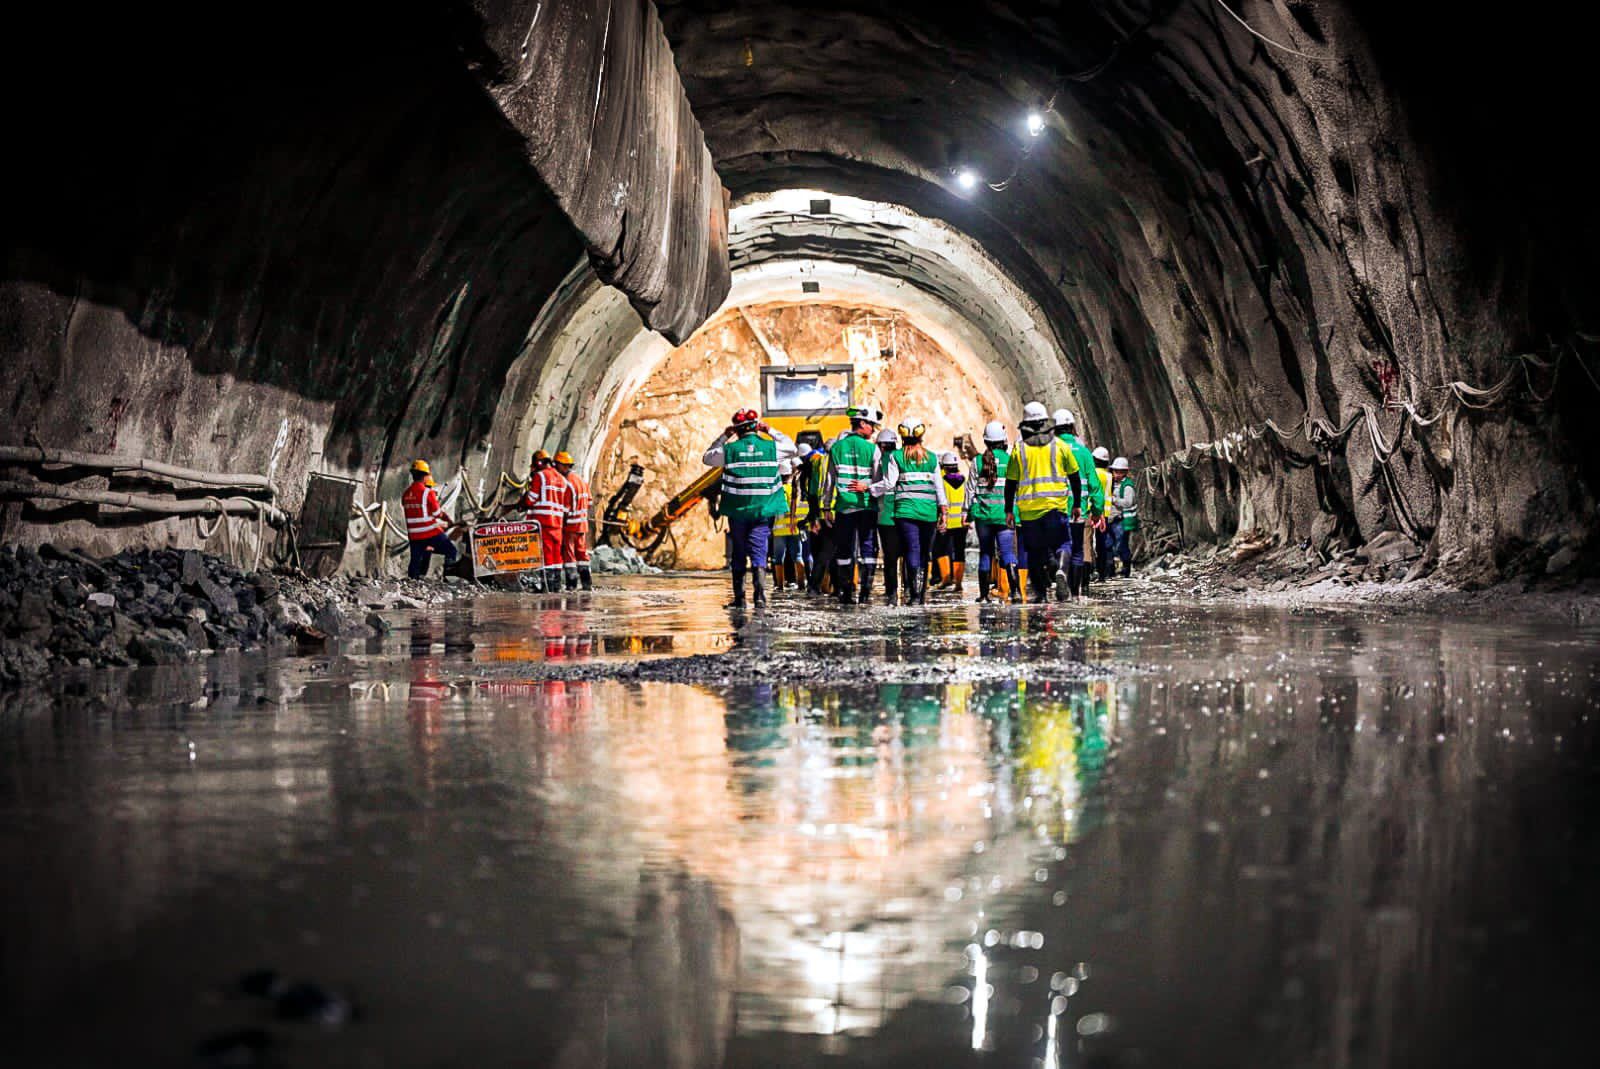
(967, 179)
(1035, 124)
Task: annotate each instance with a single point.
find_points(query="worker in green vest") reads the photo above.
(1043, 485)
(950, 542)
(997, 536)
(749, 453)
(1075, 562)
(888, 533)
(912, 479)
(850, 506)
(1125, 520)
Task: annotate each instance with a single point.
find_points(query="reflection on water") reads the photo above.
(1286, 840)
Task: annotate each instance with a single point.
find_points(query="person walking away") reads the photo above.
(1043, 486)
(426, 522)
(995, 524)
(912, 477)
(1127, 499)
(850, 505)
(788, 556)
(749, 454)
(1076, 560)
(820, 543)
(1102, 539)
(889, 547)
(575, 526)
(950, 543)
(547, 501)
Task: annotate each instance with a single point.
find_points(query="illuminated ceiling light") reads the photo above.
(967, 179)
(1035, 124)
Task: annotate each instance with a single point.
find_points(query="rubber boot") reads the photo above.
(984, 575)
(1127, 569)
(738, 592)
(943, 564)
(585, 578)
(800, 578)
(1040, 576)
(759, 578)
(1002, 583)
(570, 572)
(842, 583)
(891, 578)
(908, 585)
(958, 576)
(865, 597)
(777, 576)
(1013, 585)
(922, 586)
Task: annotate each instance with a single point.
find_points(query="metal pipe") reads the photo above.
(237, 506)
(108, 462)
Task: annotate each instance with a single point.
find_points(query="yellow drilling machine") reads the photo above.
(807, 402)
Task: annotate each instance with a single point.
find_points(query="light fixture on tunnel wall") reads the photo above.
(1035, 123)
(967, 179)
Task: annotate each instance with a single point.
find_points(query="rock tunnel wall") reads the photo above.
(1223, 232)
(319, 246)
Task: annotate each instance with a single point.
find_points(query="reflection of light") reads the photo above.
(980, 997)
(1052, 1047)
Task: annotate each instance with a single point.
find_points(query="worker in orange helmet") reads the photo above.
(425, 522)
(546, 500)
(575, 542)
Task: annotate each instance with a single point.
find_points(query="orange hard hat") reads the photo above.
(563, 457)
(540, 454)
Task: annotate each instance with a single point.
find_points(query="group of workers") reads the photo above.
(827, 519)
(555, 497)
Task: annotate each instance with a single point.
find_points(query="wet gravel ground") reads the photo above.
(1147, 831)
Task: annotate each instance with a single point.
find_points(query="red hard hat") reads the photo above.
(746, 415)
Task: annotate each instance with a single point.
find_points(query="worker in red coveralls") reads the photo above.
(547, 501)
(575, 543)
(425, 522)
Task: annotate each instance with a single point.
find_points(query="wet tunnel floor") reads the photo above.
(1184, 837)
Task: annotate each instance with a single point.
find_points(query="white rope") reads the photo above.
(1240, 20)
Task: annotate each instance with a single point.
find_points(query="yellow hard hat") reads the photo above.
(429, 481)
(563, 457)
(422, 466)
(540, 454)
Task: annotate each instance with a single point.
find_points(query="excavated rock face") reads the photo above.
(1223, 232)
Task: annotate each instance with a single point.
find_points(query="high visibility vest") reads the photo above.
(751, 486)
(1105, 490)
(915, 497)
(852, 458)
(886, 502)
(422, 510)
(1094, 497)
(547, 498)
(577, 518)
(1042, 475)
(1127, 495)
(795, 514)
(989, 500)
(955, 497)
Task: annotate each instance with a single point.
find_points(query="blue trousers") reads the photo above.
(747, 544)
(425, 548)
(855, 537)
(916, 539)
(786, 549)
(1076, 545)
(1123, 550)
(996, 539)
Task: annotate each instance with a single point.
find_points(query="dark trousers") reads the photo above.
(820, 548)
(747, 545)
(422, 549)
(951, 543)
(1077, 547)
(996, 540)
(855, 537)
(889, 553)
(916, 542)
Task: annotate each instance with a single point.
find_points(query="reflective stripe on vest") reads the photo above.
(954, 497)
(1043, 486)
(549, 493)
(578, 507)
(422, 510)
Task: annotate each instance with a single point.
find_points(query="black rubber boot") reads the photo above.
(1016, 584)
(891, 590)
(738, 592)
(843, 584)
(571, 575)
(865, 597)
(759, 579)
(984, 576)
(1039, 581)
(1127, 569)
(585, 579)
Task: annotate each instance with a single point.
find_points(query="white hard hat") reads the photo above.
(1102, 453)
(1120, 464)
(887, 436)
(804, 450)
(995, 431)
(1063, 418)
(950, 460)
(1033, 412)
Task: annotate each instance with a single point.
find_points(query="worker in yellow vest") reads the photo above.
(788, 530)
(950, 544)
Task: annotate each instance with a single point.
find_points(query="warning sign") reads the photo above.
(502, 548)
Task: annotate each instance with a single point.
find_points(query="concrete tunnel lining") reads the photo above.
(588, 352)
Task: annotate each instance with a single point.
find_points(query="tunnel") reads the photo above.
(1304, 783)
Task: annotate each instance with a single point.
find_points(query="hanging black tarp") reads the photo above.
(592, 86)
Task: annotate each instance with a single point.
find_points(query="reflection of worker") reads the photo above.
(852, 458)
(548, 499)
(425, 522)
(749, 452)
(575, 526)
